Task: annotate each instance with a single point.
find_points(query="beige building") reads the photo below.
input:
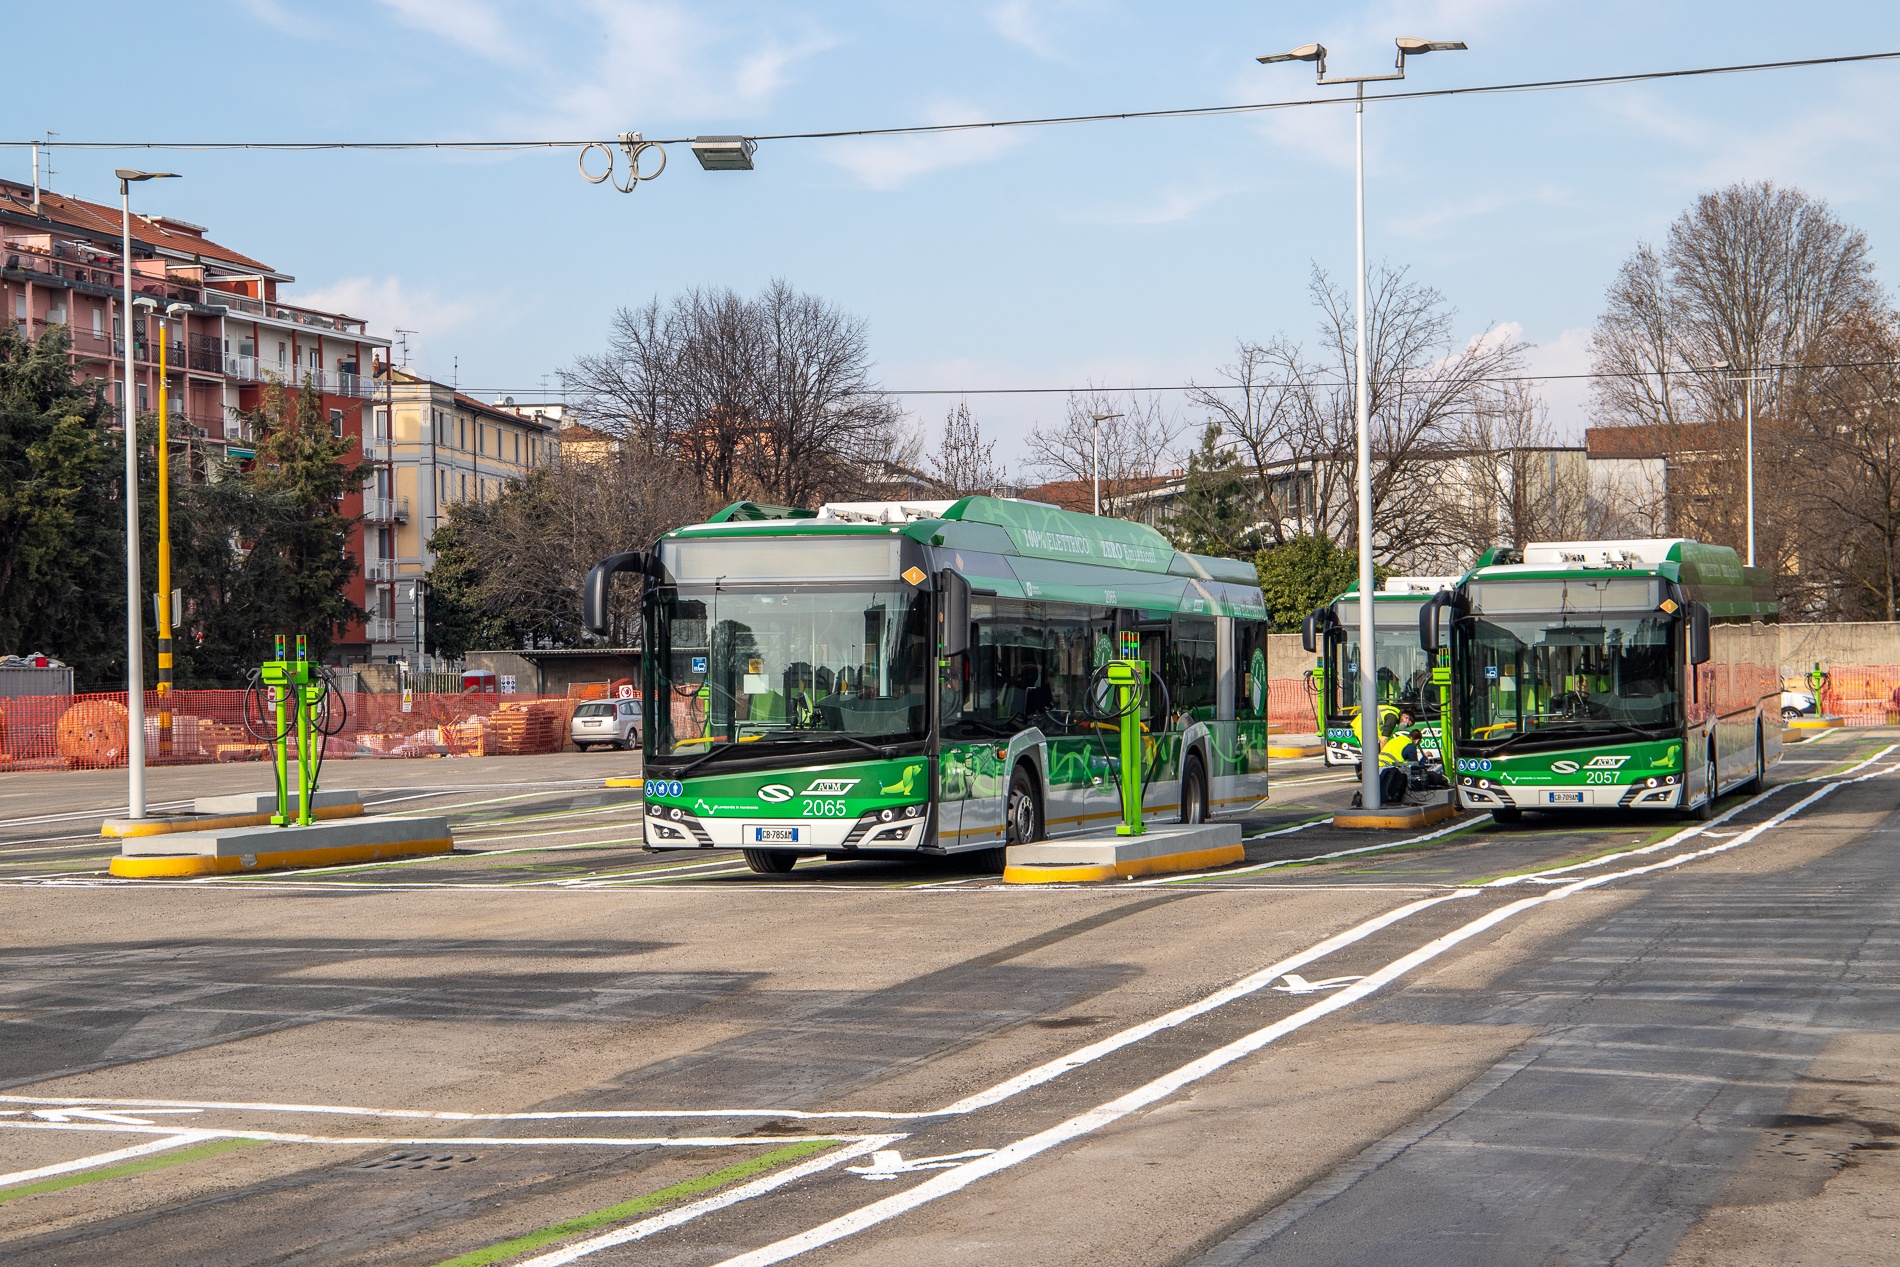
(441, 448)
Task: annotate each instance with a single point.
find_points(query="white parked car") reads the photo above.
(613, 723)
(1796, 704)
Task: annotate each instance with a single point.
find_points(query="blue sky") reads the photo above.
(1115, 253)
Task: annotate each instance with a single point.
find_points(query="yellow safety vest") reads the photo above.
(1393, 750)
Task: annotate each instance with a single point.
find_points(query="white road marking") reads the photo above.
(960, 1177)
(178, 1140)
(888, 1163)
(486, 1141)
(100, 1115)
(1297, 984)
(1479, 821)
(687, 1213)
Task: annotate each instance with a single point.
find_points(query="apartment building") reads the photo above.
(437, 447)
(231, 334)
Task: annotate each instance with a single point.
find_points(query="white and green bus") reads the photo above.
(1401, 668)
(917, 679)
(1591, 673)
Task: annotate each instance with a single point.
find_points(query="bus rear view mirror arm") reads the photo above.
(599, 583)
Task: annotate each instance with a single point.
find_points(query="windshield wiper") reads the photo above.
(719, 746)
(882, 751)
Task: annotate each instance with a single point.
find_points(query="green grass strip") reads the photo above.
(158, 1161)
(639, 1205)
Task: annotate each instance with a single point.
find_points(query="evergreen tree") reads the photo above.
(62, 556)
(293, 487)
(1307, 572)
(1214, 513)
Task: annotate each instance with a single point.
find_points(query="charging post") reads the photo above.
(293, 693)
(1130, 679)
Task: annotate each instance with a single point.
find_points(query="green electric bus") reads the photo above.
(909, 679)
(1401, 668)
(1591, 673)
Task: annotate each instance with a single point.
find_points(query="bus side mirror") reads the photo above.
(953, 613)
(1309, 633)
(1698, 634)
(599, 581)
(1428, 625)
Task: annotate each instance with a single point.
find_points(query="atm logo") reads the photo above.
(1606, 763)
(831, 787)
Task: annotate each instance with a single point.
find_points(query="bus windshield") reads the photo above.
(745, 666)
(1579, 674)
(1401, 668)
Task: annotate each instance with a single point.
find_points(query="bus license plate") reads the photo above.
(1565, 798)
(775, 835)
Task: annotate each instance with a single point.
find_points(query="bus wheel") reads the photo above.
(1023, 820)
(1507, 814)
(1705, 811)
(770, 861)
(1194, 791)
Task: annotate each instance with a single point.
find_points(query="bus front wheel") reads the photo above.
(770, 861)
(1194, 791)
(1706, 810)
(1023, 811)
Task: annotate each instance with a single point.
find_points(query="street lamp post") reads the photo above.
(1369, 736)
(1748, 379)
(128, 417)
(1099, 420)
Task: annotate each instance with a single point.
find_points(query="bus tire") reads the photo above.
(1706, 810)
(1507, 814)
(1022, 812)
(770, 861)
(1194, 790)
(1760, 778)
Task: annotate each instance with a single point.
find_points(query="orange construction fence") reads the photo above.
(50, 732)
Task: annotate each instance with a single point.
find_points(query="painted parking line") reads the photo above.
(686, 1214)
(1223, 874)
(453, 1141)
(957, 1178)
(187, 1146)
(638, 1205)
(101, 1159)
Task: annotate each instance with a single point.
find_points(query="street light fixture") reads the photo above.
(1099, 420)
(128, 417)
(1369, 736)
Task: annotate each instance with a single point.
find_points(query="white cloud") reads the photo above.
(389, 305)
(472, 24)
(273, 13)
(887, 162)
(1174, 204)
(1031, 23)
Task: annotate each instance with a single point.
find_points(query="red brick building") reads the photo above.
(60, 265)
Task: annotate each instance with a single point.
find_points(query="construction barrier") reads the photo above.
(1862, 694)
(53, 732)
(1291, 706)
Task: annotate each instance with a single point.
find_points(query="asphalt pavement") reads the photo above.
(1601, 1038)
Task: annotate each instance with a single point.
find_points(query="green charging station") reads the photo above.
(296, 689)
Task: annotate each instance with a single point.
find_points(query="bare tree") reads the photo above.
(965, 463)
(1137, 443)
(1291, 411)
(1514, 481)
(1757, 276)
(768, 398)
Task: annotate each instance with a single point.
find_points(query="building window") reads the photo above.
(316, 361)
(98, 321)
(517, 448)
(336, 422)
(144, 404)
(464, 486)
(283, 353)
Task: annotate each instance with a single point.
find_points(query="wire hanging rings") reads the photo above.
(632, 146)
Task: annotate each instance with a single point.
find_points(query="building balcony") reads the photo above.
(247, 306)
(386, 510)
(379, 629)
(249, 369)
(379, 571)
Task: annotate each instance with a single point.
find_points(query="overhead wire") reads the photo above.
(931, 129)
